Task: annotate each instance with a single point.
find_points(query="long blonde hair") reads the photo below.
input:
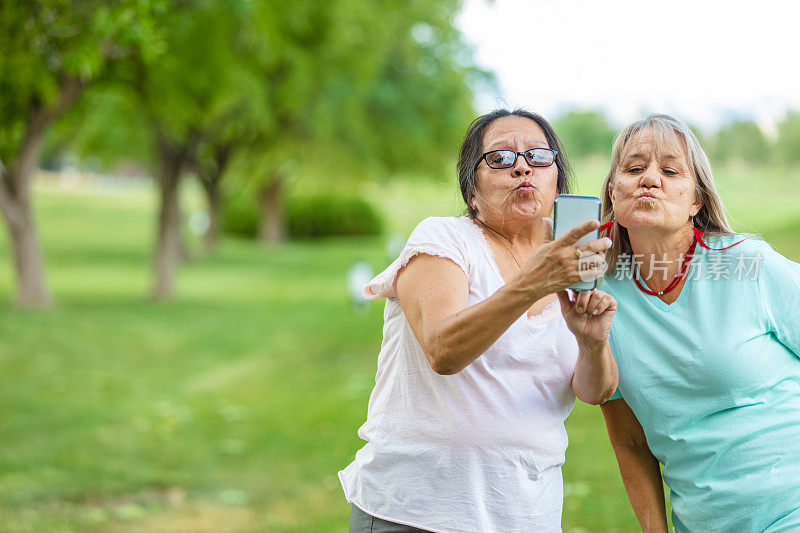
(712, 218)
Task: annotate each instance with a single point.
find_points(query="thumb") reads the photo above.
(563, 298)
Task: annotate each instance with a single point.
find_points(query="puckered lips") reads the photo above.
(647, 196)
(525, 187)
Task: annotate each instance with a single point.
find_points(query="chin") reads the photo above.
(639, 221)
(529, 211)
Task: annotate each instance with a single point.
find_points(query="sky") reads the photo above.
(708, 62)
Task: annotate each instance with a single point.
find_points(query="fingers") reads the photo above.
(574, 235)
(592, 260)
(582, 300)
(598, 303)
(596, 246)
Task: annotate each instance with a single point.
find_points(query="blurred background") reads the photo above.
(192, 190)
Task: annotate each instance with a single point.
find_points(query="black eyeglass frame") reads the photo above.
(483, 158)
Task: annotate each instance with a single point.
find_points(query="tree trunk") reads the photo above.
(272, 220)
(28, 262)
(210, 174)
(168, 244)
(15, 199)
(15, 202)
(212, 233)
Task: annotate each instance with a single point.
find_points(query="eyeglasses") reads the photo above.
(535, 157)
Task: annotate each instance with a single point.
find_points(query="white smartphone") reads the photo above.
(570, 211)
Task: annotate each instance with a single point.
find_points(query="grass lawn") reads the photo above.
(233, 408)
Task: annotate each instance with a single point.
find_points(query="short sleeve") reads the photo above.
(436, 236)
(779, 283)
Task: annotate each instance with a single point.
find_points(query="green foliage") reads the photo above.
(308, 215)
(239, 214)
(584, 133)
(204, 77)
(741, 140)
(388, 101)
(46, 44)
(417, 110)
(787, 147)
(281, 82)
(106, 124)
(329, 214)
(199, 88)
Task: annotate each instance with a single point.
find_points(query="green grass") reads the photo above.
(232, 408)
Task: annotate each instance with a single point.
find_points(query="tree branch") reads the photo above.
(36, 127)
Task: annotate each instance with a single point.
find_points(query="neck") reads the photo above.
(660, 254)
(520, 234)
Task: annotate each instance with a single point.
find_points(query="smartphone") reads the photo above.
(570, 211)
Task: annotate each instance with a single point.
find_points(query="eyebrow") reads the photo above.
(497, 145)
(639, 155)
(636, 156)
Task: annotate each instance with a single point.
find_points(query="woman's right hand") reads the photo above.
(554, 265)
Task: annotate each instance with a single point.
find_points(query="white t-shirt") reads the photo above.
(478, 451)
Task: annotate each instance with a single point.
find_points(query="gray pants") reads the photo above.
(361, 522)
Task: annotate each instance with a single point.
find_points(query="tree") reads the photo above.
(585, 133)
(741, 140)
(50, 51)
(211, 163)
(787, 147)
(187, 96)
(388, 101)
(245, 114)
(266, 89)
(187, 110)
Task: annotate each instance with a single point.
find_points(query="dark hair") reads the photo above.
(472, 149)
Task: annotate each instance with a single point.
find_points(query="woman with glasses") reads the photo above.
(707, 341)
(483, 352)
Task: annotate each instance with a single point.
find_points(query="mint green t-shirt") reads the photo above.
(714, 380)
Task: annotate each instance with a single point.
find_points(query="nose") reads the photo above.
(521, 167)
(650, 177)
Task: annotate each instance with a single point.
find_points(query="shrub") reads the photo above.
(329, 214)
(319, 215)
(239, 215)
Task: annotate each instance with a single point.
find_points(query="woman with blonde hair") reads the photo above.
(707, 342)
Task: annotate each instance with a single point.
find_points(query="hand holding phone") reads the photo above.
(571, 211)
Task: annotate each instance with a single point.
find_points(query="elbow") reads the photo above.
(444, 370)
(593, 399)
(596, 398)
(443, 367)
(442, 362)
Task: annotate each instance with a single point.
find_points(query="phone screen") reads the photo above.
(570, 211)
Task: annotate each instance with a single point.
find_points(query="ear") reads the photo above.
(611, 191)
(696, 206)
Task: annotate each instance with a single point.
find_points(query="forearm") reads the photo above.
(595, 377)
(643, 483)
(457, 340)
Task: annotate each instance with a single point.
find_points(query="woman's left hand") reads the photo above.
(588, 316)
